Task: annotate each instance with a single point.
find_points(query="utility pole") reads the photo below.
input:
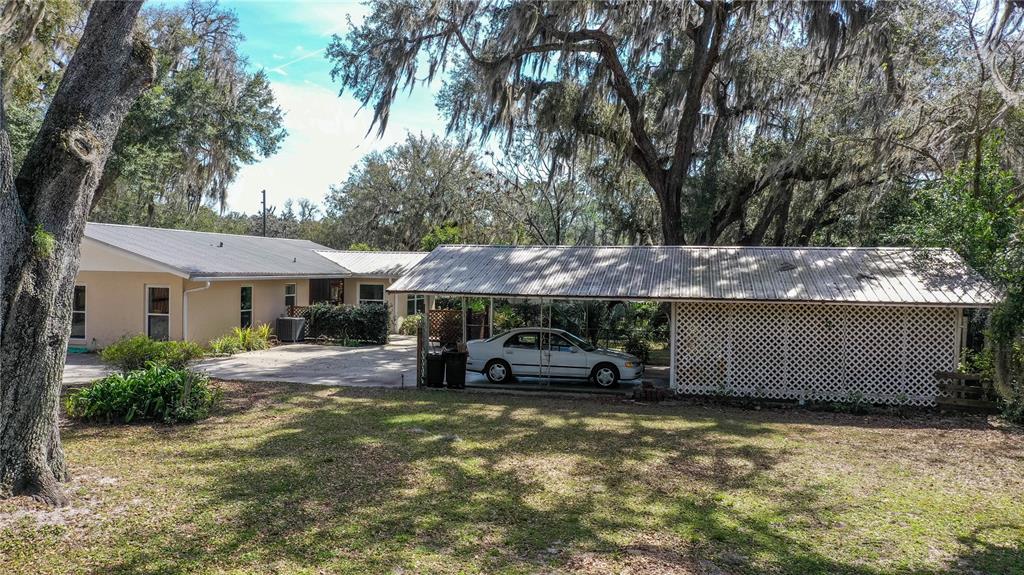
(264, 213)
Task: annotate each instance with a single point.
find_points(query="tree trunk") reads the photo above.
(42, 218)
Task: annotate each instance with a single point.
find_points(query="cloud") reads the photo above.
(325, 18)
(283, 67)
(326, 138)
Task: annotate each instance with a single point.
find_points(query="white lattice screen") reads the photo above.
(814, 352)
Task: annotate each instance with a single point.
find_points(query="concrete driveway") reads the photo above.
(368, 366)
(82, 368)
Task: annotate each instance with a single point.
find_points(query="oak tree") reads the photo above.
(43, 211)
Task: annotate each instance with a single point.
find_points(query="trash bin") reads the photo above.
(435, 370)
(455, 366)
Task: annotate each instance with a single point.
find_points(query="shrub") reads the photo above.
(242, 339)
(639, 346)
(225, 345)
(158, 392)
(179, 353)
(252, 338)
(133, 353)
(410, 324)
(364, 323)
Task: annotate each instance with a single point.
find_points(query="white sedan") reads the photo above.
(554, 353)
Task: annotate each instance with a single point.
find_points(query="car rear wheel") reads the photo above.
(605, 375)
(498, 371)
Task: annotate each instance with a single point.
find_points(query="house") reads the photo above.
(823, 324)
(178, 284)
(371, 274)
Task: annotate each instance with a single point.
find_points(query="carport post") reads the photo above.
(673, 343)
(465, 318)
(422, 349)
(490, 318)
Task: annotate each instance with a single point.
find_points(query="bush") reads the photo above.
(178, 354)
(242, 339)
(158, 392)
(639, 346)
(410, 324)
(252, 338)
(225, 345)
(364, 323)
(133, 353)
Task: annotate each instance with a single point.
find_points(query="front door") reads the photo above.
(562, 358)
(522, 352)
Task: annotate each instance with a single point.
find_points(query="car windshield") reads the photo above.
(578, 341)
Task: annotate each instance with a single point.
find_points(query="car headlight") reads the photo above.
(630, 364)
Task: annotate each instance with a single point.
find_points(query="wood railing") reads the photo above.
(966, 390)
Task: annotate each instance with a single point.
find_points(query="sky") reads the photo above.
(327, 134)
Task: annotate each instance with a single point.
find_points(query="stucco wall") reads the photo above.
(115, 305)
(213, 312)
(98, 257)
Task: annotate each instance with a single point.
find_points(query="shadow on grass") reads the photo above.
(367, 481)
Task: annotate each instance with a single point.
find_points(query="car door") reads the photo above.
(564, 359)
(522, 352)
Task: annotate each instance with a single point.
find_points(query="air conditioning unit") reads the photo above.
(291, 328)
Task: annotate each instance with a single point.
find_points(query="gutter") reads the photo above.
(184, 308)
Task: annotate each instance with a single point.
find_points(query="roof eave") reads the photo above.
(204, 277)
(980, 305)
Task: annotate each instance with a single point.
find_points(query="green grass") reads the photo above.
(286, 479)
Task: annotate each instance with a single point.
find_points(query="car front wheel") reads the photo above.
(498, 371)
(605, 375)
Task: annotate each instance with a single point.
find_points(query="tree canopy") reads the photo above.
(394, 198)
(664, 86)
(185, 140)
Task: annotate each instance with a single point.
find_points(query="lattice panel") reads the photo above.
(445, 325)
(814, 352)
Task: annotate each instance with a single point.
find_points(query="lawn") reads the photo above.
(291, 479)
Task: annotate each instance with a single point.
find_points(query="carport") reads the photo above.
(820, 324)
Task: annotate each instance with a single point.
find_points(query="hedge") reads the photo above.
(365, 323)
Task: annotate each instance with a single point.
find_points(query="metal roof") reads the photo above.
(381, 264)
(855, 275)
(206, 255)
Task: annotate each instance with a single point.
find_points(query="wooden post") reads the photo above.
(490, 318)
(465, 318)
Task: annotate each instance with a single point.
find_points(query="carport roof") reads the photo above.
(908, 276)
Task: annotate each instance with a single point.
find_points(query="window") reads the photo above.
(556, 343)
(78, 313)
(415, 304)
(246, 320)
(371, 293)
(579, 342)
(337, 291)
(158, 312)
(529, 340)
(289, 296)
